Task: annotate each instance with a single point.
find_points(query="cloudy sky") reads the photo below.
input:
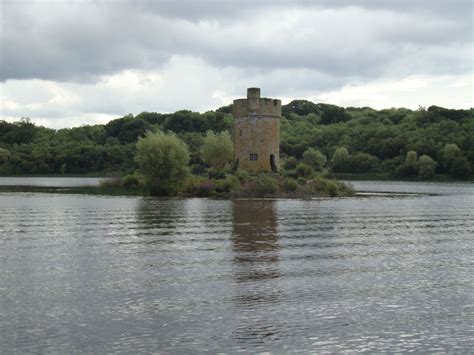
(66, 62)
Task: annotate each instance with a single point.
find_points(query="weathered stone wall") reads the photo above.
(257, 131)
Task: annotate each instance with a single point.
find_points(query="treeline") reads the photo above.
(399, 143)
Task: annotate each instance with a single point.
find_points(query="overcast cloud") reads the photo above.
(67, 63)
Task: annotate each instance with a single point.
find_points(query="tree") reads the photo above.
(449, 153)
(217, 149)
(300, 107)
(341, 160)
(460, 168)
(163, 161)
(426, 167)
(315, 159)
(4, 156)
(332, 114)
(410, 167)
(363, 163)
(411, 158)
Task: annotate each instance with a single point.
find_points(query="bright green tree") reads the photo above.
(163, 161)
(217, 149)
(315, 159)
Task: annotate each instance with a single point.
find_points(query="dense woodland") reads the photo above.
(395, 143)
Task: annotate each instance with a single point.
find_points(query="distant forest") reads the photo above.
(386, 143)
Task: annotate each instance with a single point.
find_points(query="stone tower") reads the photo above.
(257, 132)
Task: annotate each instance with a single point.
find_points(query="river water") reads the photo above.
(376, 272)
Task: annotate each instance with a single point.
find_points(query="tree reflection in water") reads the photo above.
(256, 249)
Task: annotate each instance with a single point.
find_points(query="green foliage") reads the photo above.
(163, 161)
(228, 184)
(411, 158)
(290, 163)
(426, 167)
(289, 185)
(341, 160)
(132, 181)
(266, 185)
(332, 188)
(332, 114)
(217, 149)
(4, 156)
(127, 129)
(304, 170)
(315, 159)
(449, 153)
(242, 176)
(460, 168)
(410, 167)
(299, 107)
(368, 134)
(363, 163)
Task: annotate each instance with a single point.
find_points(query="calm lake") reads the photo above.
(375, 272)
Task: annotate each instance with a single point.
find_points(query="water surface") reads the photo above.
(49, 181)
(103, 274)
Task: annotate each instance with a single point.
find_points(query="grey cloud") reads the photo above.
(83, 41)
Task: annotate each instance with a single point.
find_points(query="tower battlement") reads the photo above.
(257, 132)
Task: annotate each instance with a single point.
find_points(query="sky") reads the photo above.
(67, 63)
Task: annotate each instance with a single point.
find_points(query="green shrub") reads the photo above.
(228, 184)
(111, 183)
(290, 163)
(289, 185)
(304, 170)
(242, 176)
(301, 180)
(132, 181)
(266, 185)
(217, 173)
(332, 188)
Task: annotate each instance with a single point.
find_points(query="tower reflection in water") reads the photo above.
(256, 258)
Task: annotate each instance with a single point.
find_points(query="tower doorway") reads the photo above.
(272, 163)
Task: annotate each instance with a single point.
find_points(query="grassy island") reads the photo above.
(238, 185)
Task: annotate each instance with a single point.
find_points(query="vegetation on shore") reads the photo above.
(393, 143)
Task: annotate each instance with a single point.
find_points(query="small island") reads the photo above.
(248, 166)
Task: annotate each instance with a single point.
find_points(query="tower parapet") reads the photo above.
(257, 132)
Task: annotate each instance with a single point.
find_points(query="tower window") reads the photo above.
(253, 156)
(240, 133)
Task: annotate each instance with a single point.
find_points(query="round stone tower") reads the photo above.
(257, 132)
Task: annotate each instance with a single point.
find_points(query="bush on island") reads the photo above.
(304, 170)
(290, 163)
(163, 161)
(289, 185)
